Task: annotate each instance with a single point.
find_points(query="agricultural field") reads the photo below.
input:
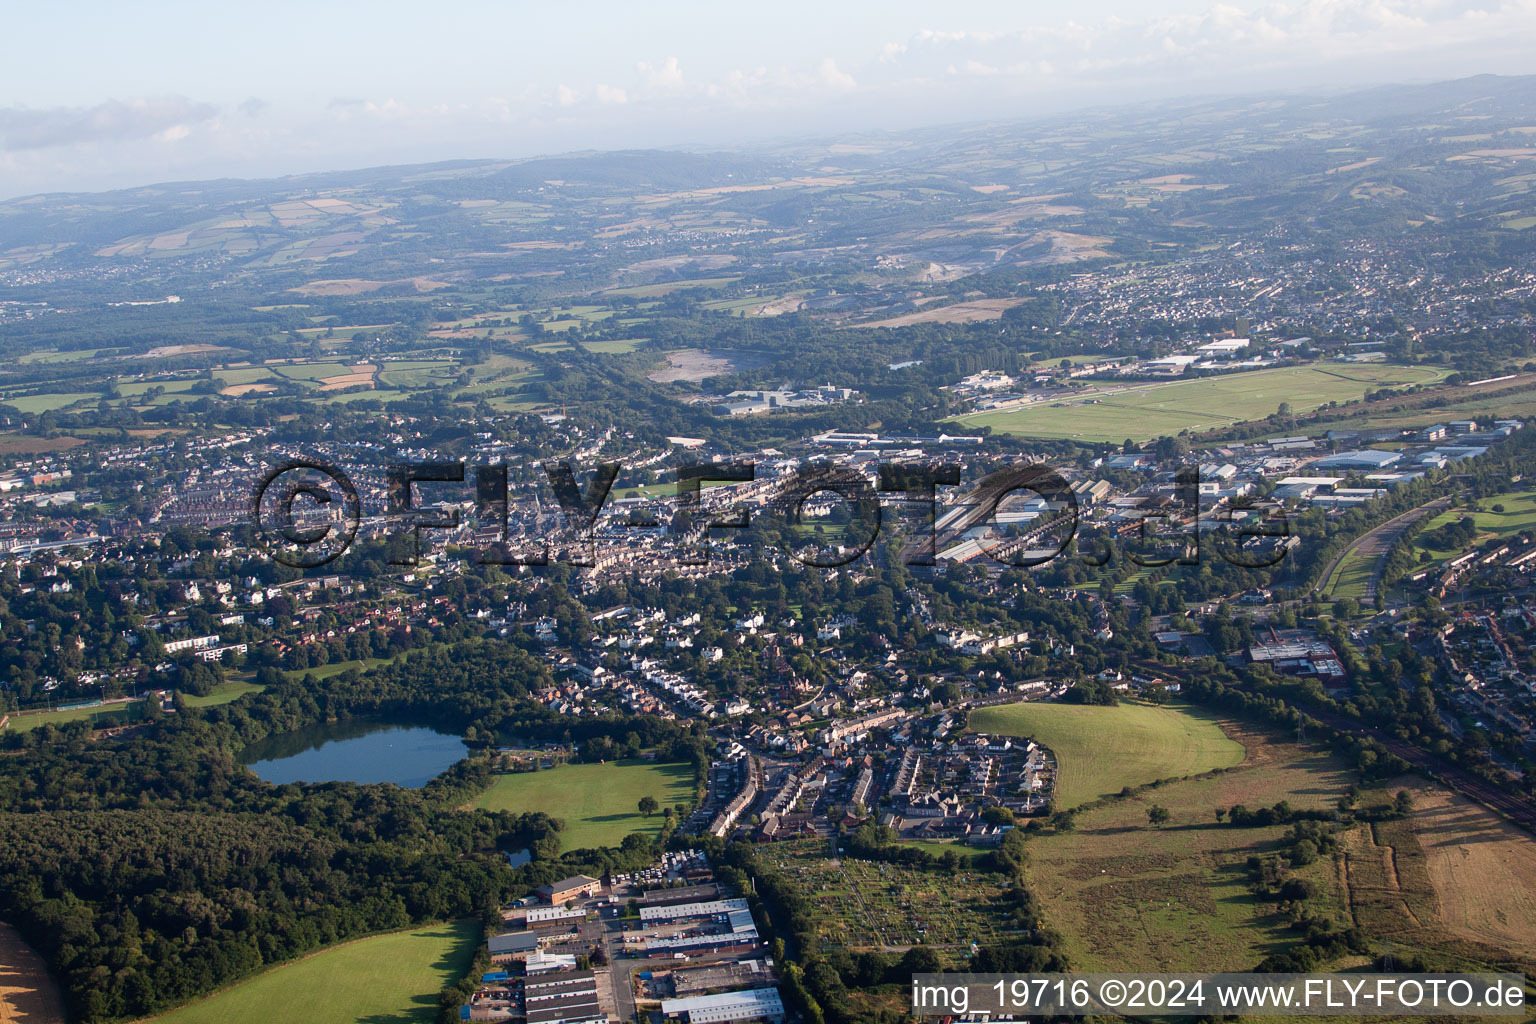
(871, 905)
(1481, 869)
(1128, 896)
(77, 355)
(27, 994)
(1142, 411)
(597, 802)
(394, 978)
(651, 291)
(48, 402)
(618, 346)
(1100, 750)
(417, 373)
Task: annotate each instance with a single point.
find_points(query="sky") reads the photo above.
(109, 95)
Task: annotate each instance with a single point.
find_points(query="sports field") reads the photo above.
(100, 716)
(1100, 750)
(597, 802)
(1142, 411)
(394, 978)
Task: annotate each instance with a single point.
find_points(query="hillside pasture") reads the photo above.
(1100, 750)
(394, 978)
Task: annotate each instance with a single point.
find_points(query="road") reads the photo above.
(1376, 543)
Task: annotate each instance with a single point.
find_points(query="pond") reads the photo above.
(357, 750)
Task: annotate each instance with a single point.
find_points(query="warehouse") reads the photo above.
(714, 908)
(564, 998)
(752, 1004)
(512, 946)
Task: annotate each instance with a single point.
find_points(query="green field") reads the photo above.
(235, 375)
(617, 346)
(388, 978)
(224, 693)
(78, 355)
(1126, 896)
(336, 668)
(596, 801)
(1519, 514)
(1351, 576)
(1143, 411)
(1100, 750)
(49, 402)
(311, 372)
(135, 389)
(647, 291)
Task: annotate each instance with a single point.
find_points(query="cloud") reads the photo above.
(829, 74)
(252, 106)
(166, 118)
(611, 94)
(666, 76)
(1222, 42)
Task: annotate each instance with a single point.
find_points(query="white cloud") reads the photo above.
(664, 77)
(830, 75)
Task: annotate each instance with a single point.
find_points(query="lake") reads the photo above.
(357, 750)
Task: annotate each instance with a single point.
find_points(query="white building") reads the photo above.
(752, 1004)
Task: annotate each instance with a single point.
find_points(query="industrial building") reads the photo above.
(751, 1004)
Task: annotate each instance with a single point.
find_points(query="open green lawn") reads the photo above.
(224, 693)
(336, 668)
(598, 802)
(1351, 576)
(1153, 410)
(1100, 750)
(388, 979)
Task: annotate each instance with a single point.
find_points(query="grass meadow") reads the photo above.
(1100, 750)
(597, 802)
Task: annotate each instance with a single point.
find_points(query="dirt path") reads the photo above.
(27, 993)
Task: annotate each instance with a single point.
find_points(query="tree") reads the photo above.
(1221, 815)
(1158, 815)
(649, 806)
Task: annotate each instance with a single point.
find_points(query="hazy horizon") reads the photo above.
(191, 94)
